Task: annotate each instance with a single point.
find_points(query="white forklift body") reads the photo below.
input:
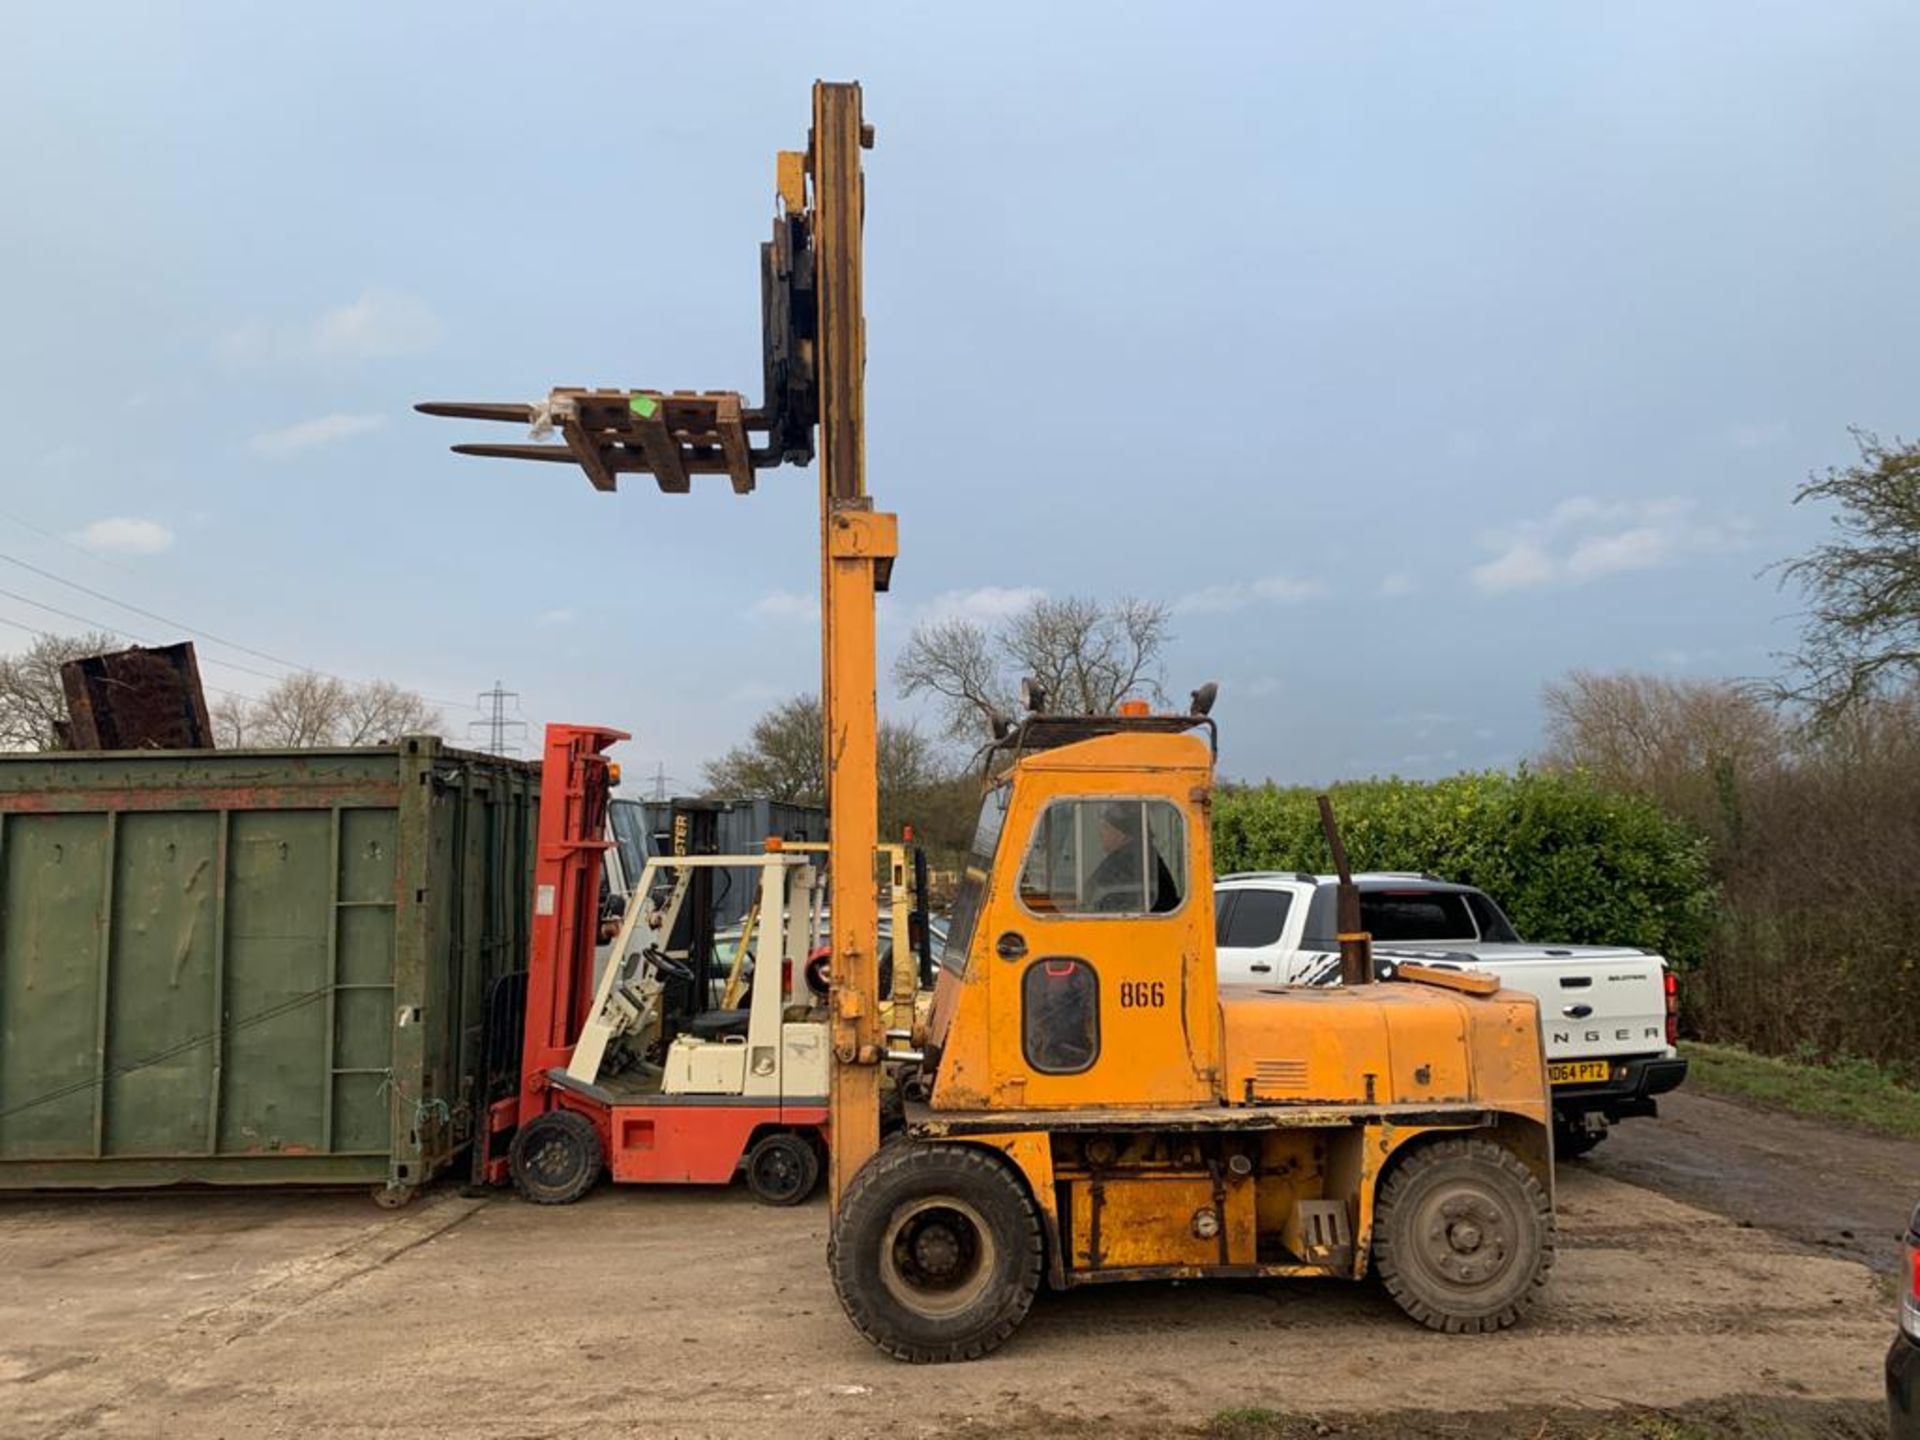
(776, 1056)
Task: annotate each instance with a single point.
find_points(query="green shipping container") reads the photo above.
(251, 966)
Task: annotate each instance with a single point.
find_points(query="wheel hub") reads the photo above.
(778, 1173)
(938, 1256)
(937, 1251)
(1467, 1238)
(553, 1161)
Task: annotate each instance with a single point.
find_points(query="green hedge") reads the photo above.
(1567, 861)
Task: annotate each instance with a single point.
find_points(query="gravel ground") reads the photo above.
(697, 1313)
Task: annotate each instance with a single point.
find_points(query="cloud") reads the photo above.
(380, 325)
(1521, 567)
(1399, 583)
(1583, 539)
(125, 535)
(1641, 548)
(311, 434)
(1225, 599)
(987, 605)
(555, 617)
(785, 605)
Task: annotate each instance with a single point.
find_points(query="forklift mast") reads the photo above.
(575, 785)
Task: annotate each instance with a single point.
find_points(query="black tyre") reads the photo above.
(936, 1252)
(1572, 1140)
(782, 1168)
(555, 1158)
(1463, 1236)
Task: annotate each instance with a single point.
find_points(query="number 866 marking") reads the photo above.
(1142, 994)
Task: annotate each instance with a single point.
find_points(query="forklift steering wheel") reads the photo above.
(666, 965)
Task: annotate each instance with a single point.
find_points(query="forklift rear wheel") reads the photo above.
(936, 1252)
(1463, 1236)
(555, 1158)
(782, 1168)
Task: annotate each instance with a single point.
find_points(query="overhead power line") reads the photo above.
(131, 635)
(66, 540)
(193, 630)
(152, 615)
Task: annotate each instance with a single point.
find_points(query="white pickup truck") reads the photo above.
(1607, 1012)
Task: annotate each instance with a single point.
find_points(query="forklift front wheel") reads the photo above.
(936, 1252)
(1463, 1236)
(555, 1158)
(782, 1168)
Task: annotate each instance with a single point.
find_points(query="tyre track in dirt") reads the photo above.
(1815, 1184)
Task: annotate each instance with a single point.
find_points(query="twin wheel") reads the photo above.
(937, 1251)
(556, 1158)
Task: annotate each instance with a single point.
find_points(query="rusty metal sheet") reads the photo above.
(137, 699)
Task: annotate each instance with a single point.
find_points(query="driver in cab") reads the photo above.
(1117, 881)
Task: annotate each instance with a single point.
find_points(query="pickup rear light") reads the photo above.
(1673, 1008)
(1910, 1301)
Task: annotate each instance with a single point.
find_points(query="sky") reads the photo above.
(1412, 355)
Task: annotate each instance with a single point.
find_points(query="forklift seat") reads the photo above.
(719, 1024)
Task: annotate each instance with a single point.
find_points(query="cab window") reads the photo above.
(1099, 855)
(973, 881)
(1060, 1015)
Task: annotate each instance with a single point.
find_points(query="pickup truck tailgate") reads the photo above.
(1595, 1001)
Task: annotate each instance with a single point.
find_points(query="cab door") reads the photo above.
(1099, 931)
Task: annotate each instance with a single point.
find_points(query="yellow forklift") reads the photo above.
(1090, 1105)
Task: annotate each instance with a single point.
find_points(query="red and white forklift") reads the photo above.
(662, 1067)
(633, 1074)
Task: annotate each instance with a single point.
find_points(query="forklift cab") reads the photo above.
(631, 1041)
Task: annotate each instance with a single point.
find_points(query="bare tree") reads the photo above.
(1686, 743)
(309, 709)
(1862, 587)
(232, 717)
(958, 661)
(380, 711)
(32, 703)
(305, 709)
(300, 711)
(1087, 655)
